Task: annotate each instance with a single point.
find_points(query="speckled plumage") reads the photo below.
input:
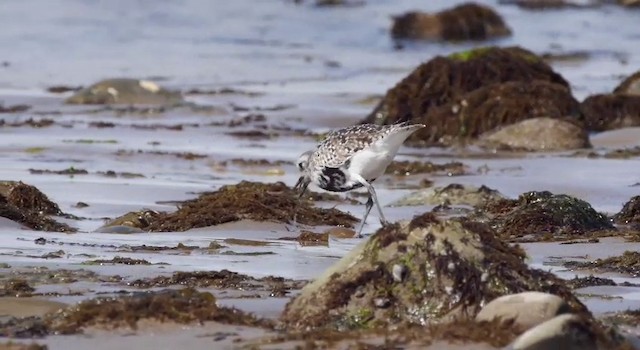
(353, 157)
(340, 145)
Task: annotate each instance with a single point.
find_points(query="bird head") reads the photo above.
(304, 180)
(303, 161)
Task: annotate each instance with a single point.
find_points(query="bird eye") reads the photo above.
(302, 165)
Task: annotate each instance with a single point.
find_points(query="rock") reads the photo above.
(469, 21)
(566, 332)
(611, 111)
(630, 213)
(125, 91)
(527, 309)
(538, 134)
(341, 232)
(454, 194)
(416, 273)
(441, 93)
(132, 222)
(28, 206)
(630, 86)
(257, 201)
(542, 215)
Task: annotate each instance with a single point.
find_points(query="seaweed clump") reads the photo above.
(407, 168)
(16, 287)
(21, 346)
(26, 205)
(223, 279)
(542, 216)
(418, 273)
(627, 263)
(180, 306)
(248, 200)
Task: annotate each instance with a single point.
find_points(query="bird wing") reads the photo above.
(339, 146)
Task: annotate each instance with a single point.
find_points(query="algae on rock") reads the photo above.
(125, 91)
(542, 214)
(418, 273)
(453, 194)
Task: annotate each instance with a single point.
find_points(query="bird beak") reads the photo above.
(301, 186)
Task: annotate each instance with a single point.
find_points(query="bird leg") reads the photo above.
(301, 186)
(373, 198)
(367, 209)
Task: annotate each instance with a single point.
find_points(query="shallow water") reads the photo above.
(321, 63)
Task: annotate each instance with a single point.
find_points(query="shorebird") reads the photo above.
(351, 158)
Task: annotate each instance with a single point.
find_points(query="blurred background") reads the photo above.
(293, 47)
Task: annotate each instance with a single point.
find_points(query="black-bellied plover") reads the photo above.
(353, 157)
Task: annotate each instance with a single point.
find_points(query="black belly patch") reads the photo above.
(334, 180)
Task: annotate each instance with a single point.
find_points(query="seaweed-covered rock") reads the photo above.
(417, 273)
(542, 215)
(469, 21)
(630, 213)
(27, 197)
(248, 200)
(453, 194)
(611, 111)
(125, 91)
(441, 94)
(132, 222)
(629, 86)
(28, 206)
(538, 134)
(493, 106)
